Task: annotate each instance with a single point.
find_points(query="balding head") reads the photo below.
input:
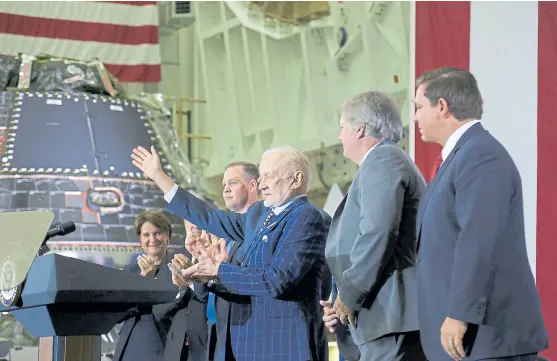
(284, 173)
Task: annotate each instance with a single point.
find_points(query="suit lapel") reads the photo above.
(275, 221)
(340, 207)
(235, 248)
(164, 272)
(259, 233)
(474, 130)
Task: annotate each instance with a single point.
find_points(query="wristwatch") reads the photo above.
(210, 283)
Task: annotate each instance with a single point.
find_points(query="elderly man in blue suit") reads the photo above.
(274, 282)
(477, 298)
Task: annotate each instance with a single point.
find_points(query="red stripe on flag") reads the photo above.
(442, 39)
(142, 73)
(546, 248)
(78, 30)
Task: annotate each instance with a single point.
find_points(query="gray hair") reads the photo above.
(377, 112)
(459, 89)
(292, 161)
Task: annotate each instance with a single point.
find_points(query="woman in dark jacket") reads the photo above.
(151, 334)
(143, 334)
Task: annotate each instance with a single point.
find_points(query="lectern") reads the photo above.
(63, 296)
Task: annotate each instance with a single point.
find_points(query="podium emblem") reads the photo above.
(9, 289)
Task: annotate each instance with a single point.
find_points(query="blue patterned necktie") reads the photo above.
(268, 220)
(211, 310)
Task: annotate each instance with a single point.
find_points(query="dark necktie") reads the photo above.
(436, 166)
(268, 220)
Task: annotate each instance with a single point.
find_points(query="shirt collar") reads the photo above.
(277, 210)
(454, 138)
(369, 151)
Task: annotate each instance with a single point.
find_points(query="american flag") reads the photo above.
(511, 48)
(121, 34)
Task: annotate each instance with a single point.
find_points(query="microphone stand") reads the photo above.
(44, 248)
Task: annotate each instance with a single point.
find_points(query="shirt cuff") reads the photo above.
(171, 193)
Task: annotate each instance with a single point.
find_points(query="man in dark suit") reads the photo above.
(274, 283)
(240, 192)
(371, 248)
(477, 298)
(187, 335)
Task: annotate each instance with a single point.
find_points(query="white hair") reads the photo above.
(292, 161)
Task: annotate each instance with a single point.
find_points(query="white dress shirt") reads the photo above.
(277, 210)
(168, 196)
(367, 153)
(454, 138)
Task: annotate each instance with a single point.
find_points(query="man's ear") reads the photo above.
(253, 185)
(361, 131)
(298, 180)
(443, 107)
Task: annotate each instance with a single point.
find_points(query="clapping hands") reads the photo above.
(147, 266)
(210, 252)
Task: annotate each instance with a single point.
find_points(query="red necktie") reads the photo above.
(436, 165)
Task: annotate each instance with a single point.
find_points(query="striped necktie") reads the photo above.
(268, 220)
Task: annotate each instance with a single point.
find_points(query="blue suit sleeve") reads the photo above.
(300, 248)
(484, 192)
(220, 223)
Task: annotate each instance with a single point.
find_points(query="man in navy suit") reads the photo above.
(274, 283)
(477, 298)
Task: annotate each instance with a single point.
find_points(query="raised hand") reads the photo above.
(147, 161)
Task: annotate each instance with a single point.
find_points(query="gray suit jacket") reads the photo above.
(371, 248)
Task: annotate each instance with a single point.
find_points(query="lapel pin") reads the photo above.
(265, 238)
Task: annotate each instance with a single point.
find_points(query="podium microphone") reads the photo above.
(60, 229)
(57, 229)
